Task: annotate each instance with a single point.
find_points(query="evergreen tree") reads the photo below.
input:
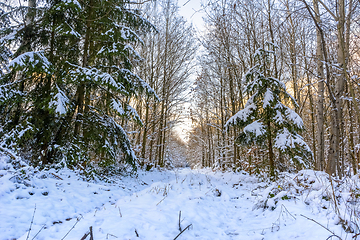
(5, 53)
(267, 120)
(66, 94)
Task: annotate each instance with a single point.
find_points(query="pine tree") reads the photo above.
(73, 83)
(267, 120)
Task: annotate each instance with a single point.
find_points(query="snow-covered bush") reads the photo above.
(317, 190)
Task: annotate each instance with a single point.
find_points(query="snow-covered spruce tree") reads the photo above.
(66, 93)
(267, 120)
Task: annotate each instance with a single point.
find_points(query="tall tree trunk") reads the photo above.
(222, 120)
(293, 57)
(351, 140)
(46, 157)
(272, 37)
(339, 89)
(80, 93)
(320, 164)
(152, 140)
(311, 103)
(347, 54)
(146, 125)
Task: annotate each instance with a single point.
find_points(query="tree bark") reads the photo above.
(271, 153)
(320, 164)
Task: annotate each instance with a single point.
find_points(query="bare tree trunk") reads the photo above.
(320, 164)
(146, 125)
(352, 92)
(293, 56)
(339, 89)
(351, 140)
(272, 37)
(164, 91)
(152, 137)
(311, 103)
(271, 153)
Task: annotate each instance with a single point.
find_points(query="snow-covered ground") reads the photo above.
(213, 205)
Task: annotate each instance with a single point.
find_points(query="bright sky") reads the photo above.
(192, 11)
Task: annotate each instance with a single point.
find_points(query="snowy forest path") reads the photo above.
(215, 205)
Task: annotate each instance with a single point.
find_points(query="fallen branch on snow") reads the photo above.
(183, 231)
(77, 221)
(90, 232)
(32, 220)
(333, 234)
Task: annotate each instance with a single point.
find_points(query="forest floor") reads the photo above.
(197, 204)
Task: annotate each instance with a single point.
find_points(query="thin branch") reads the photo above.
(140, 3)
(38, 232)
(333, 234)
(331, 95)
(91, 233)
(137, 235)
(107, 236)
(183, 231)
(120, 212)
(85, 236)
(179, 221)
(328, 10)
(186, 2)
(32, 220)
(78, 220)
(161, 200)
(282, 206)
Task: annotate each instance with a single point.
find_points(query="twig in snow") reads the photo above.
(91, 234)
(38, 232)
(32, 220)
(356, 235)
(179, 221)
(183, 231)
(208, 191)
(107, 236)
(56, 176)
(161, 200)
(283, 207)
(333, 234)
(120, 212)
(183, 180)
(85, 236)
(77, 220)
(276, 224)
(137, 235)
